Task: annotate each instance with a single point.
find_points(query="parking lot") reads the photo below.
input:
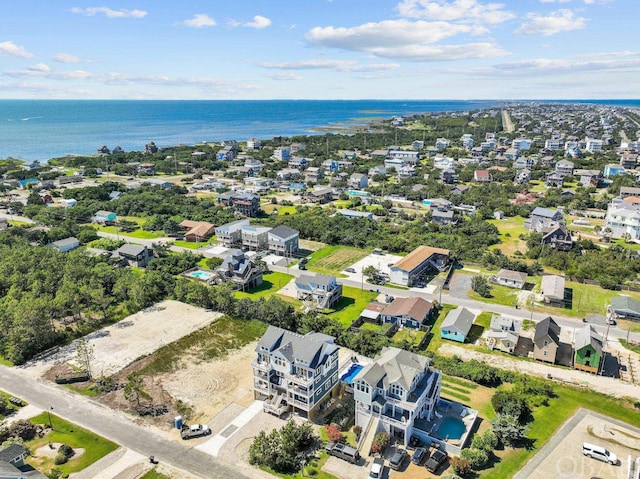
(380, 261)
(562, 457)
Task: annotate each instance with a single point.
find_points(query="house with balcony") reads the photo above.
(418, 263)
(623, 219)
(283, 241)
(104, 217)
(565, 167)
(321, 290)
(410, 157)
(542, 218)
(503, 333)
(134, 255)
(293, 372)
(255, 238)
(240, 270)
(394, 391)
(230, 234)
(358, 181)
(244, 204)
(282, 153)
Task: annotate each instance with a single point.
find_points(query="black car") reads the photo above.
(419, 455)
(397, 459)
(436, 460)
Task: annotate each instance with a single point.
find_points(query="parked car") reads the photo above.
(599, 452)
(376, 468)
(350, 270)
(343, 451)
(195, 430)
(436, 460)
(397, 459)
(419, 455)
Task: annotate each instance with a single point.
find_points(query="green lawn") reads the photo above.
(499, 295)
(547, 420)
(189, 244)
(153, 474)
(631, 347)
(510, 229)
(65, 432)
(271, 283)
(435, 339)
(133, 234)
(333, 259)
(314, 469)
(408, 336)
(353, 301)
(287, 210)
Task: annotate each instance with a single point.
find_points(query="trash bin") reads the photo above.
(177, 422)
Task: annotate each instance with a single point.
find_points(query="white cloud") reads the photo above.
(39, 67)
(11, 49)
(338, 65)
(286, 76)
(555, 22)
(463, 11)
(385, 34)
(200, 20)
(66, 58)
(586, 2)
(109, 12)
(258, 22)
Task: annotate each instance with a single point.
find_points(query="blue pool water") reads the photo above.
(451, 428)
(200, 275)
(353, 371)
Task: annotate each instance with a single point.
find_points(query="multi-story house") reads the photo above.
(467, 141)
(298, 162)
(282, 153)
(313, 174)
(255, 238)
(593, 146)
(411, 157)
(552, 144)
(240, 270)
(542, 218)
(623, 218)
(283, 240)
(358, 181)
(321, 289)
(227, 153)
(521, 143)
(396, 389)
(230, 234)
(295, 372)
(442, 143)
(253, 144)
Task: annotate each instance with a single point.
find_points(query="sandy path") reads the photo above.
(606, 385)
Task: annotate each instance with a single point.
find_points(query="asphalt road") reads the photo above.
(113, 425)
(442, 297)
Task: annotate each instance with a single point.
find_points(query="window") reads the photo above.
(545, 343)
(588, 354)
(545, 353)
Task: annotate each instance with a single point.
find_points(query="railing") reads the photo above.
(263, 365)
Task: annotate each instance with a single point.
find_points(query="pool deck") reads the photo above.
(451, 410)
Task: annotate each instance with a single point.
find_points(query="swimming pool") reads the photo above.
(350, 375)
(451, 428)
(203, 275)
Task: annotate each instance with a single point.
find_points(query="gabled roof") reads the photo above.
(418, 256)
(512, 275)
(552, 286)
(322, 279)
(544, 212)
(625, 303)
(130, 249)
(394, 366)
(311, 349)
(65, 242)
(416, 308)
(460, 319)
(547, 327)
(588, 336)
(12, 451)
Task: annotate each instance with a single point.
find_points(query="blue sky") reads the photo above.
(320, 49)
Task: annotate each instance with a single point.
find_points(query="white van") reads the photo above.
(599, 452)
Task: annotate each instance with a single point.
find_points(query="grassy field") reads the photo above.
(435, 339)
(133, 234)
(189, 244)
(510, 229)
(64, 432)
(547, 421)
(631, 347)
(499, 295)
(333, 259)
(271, 283)
(408, 336)
(633, 326)
(153, 474)
(353, 301)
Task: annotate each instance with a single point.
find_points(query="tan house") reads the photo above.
(197, 230)
(546, 340)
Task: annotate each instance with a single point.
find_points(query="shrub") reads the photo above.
(461, 466)
(357, 430)
(478, 458)
(22, 429)
(60, 458)
(334, 433)
(508, 429)
(380, 442)
(511, 403)
(487, 441)
(66, 450)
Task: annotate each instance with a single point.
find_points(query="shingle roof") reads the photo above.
(553, 286)
(394, 366)
(322, 279)
(459, 318)
(416, 308)
(625, 303)
(547, 327)
(512, 275)
(588, 336)
(418, 256)
(65, 242)
(313, 349)
(544, 212)
(130, 249)
(12, 451)
(283, 231)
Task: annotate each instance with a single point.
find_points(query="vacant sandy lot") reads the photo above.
(566, 460)
(379, 261)
(210, 386)
(140, 334)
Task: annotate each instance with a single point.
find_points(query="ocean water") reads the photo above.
(42, 129)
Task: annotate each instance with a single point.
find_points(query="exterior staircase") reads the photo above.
(366, 440)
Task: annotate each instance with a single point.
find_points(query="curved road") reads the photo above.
(113, 425)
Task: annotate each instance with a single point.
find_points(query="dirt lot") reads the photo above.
(140, 334)
(210, 386)
(566, 459)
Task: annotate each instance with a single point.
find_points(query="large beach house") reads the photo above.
(293, 371)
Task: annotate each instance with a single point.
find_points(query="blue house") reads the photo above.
(103, 217)
(457, 324)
